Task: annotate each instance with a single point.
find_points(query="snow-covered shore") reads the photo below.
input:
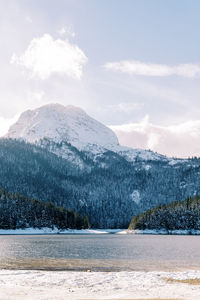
(165, 232)
(47, 230)
(32, 285)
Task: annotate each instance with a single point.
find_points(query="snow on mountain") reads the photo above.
(133, 154)
(62, 123)
(70, 124)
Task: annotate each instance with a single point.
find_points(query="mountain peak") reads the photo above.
(62, 124)
(60, 108)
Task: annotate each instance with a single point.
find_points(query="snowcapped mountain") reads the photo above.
(70, 126)
(62, 123)
(108, 182)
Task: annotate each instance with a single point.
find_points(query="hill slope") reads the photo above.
(110, 190)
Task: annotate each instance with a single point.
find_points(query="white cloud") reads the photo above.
(134, 67)
(181, 140)
(46, 56)
(5, 123)
(66, 31)
(125, 107)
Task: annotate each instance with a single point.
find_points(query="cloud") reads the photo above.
(5, 124)
(46, 56)
(66, 31)
(125, 107)
(134, 67)
(28, 19)
(181, 140)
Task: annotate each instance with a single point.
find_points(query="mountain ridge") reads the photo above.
(73, 126)
(108, 182)
(110, 190)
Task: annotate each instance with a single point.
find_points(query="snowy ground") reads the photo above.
(57, 231)
(164, 231)
(40, 285)
(95, 231)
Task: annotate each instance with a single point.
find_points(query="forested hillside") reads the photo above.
(18, 211)
(183, 215)
(109, 189)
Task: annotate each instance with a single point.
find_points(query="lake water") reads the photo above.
(109, 252)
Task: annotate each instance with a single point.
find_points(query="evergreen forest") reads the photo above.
(183, 215)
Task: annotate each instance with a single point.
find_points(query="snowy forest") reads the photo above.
(18, 211)
(183, 215)
(109, 189)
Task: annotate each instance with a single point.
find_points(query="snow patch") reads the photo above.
(135, 196)
(147, 167)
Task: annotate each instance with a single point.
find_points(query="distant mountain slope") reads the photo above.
(110, 190)
(64, 156)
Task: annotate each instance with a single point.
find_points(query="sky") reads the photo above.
(133, 65)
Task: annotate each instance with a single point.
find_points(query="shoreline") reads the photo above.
(55, 231)
(164, 232)
(49, 231)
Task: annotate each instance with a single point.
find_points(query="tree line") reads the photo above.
(18, 211)
(183, 215)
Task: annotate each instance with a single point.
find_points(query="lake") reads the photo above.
(101, 252)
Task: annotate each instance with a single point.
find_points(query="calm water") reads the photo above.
(100, 252)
